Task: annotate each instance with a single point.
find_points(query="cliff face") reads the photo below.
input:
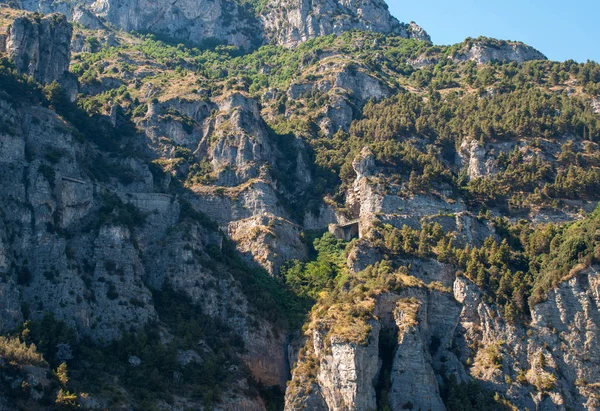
(68, 245)
(484, 51)
(437, 336)
(191, 21)
(556, 354)
(283, 23)
(291, 23)
(40, 48)
(94, 271)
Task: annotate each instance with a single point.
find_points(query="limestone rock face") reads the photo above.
(550, 364)
(188, 20)
(563, 331)
(194, 21)
(242, 145)
(86, 18)
(473, 156)
(413, 380)
(41, 48)
(290, 23)
(98, 278)
(56, 6)
(416, 328)
(487, 51)
(417, 32)
(596, 105)
(347, 374)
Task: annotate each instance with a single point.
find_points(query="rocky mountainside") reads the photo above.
(242, 24)
(257, 205)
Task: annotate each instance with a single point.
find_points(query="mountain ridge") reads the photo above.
(175, 235)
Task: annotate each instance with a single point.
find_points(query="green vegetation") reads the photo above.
(539, 112)
(415, 134)
(516, 272)
(94, 365)
(471, 397)
(310, 279)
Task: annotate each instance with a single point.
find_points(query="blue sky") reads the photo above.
(560, 29)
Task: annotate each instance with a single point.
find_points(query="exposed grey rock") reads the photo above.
(134, 361)
(486, 51)
(291, 23)
(417, 32)
(361, 86)
(86, 18)
(10, 307)
(227, 21)
(188, 20)
(472, 155)
(46, 7)
(563, 331)
(299, 89)
(596, 105)
(413, 380)
(41, 48)
(347, 374)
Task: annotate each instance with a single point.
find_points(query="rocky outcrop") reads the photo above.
(472, 155)
(413, 381)
(596, 105)
(291, 23)
(348, 372)
(417, 32)
(40, 48)
(188, 20)
(242, 145)
(553, 363)
(229, 22)
(484, 51)
(550, 364)
(410, 340)
(66, 249)
(46, 7)
(86, 18)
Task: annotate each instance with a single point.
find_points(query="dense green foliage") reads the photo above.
(470, 397)
(516, 272)
(309, 279)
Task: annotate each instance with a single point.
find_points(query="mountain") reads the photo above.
(245, 24)
(258, 205)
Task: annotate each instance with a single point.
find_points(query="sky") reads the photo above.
(560, 29)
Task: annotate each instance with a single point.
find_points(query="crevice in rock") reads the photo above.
(388, 343)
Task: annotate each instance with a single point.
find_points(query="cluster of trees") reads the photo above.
(524, 113)
(517, 270)
(419, 140)
(309, 279)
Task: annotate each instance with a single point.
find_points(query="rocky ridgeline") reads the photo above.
(40, 48)
(291, 23)
(195, 21)
(283, 23)
(483, 51)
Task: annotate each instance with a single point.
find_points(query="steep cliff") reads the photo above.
(191, 21)
(234, 22)
(291, 23)
(40, 48)
(483, 51)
